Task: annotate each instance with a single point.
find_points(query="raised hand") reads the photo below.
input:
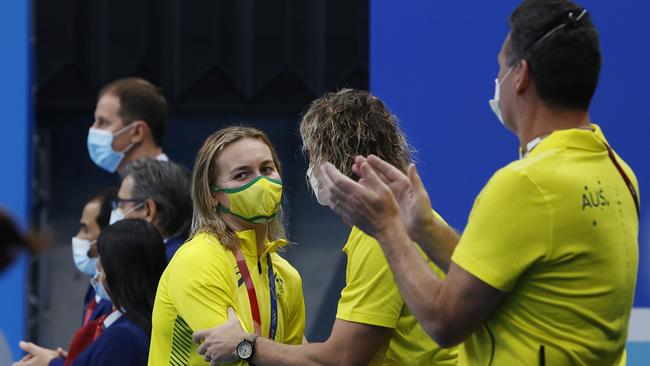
(409, 192)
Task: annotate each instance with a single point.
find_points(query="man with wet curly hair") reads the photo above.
(373, 325)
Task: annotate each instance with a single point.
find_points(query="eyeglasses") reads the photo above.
(119, 202)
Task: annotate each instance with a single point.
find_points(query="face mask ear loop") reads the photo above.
(122, 130)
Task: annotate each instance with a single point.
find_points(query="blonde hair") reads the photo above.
(206, 217)
(339, 126)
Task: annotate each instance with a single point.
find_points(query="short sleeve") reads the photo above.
(201, 286)
(370, 295)
(509, 229)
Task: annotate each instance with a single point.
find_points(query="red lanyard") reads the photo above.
(252, 297)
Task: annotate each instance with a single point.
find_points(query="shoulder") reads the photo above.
(200, 250)
(515, 178)
(358, 241)
(123, 336)
(125, 330)
(122, 343)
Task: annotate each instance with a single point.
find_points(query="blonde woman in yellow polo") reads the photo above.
(373, 325)
(231, 259)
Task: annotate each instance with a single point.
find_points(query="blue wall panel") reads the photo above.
(434, 63)
(15, 104)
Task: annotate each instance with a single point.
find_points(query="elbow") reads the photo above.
(444, 334)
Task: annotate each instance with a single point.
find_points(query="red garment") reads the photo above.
(84, 337)
(89, 310)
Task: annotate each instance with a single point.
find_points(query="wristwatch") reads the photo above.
(246, 348)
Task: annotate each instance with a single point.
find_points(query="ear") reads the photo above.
(151, 209)
(140, 131)
(220, 199)
(522, 78)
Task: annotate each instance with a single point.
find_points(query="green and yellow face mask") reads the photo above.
(256, 201)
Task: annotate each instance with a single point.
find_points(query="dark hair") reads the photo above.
(104, 197)
(562, 48)
(140, 101)
(339, 126)
(133, 256)
(168, 185)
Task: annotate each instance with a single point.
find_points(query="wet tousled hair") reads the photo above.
(168, 185)
(140, 101)
(207, 218)
(339, 126)
(132, 254)
(561, 46)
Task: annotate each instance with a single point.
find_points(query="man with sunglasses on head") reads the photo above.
(130, 123)
(545, 270)
(158, 192)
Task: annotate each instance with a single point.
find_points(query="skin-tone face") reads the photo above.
(107, 118)
(239, 163)
(88, 228)
(145, 210)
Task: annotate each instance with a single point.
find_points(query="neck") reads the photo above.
(541, 121)
(146, 149)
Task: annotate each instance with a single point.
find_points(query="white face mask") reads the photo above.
(118, 215)
(494, 102)
(82, 261)
(98, 286)
(315, 185)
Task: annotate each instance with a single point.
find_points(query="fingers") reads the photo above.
(337, 187)
(61, 352)
(200, 335)
(232, 315)
(414, 177)
(203, 349)
(28, 347)
(371, 179)
(383, 168)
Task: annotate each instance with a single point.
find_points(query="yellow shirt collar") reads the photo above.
(577, 138)
(248, 243)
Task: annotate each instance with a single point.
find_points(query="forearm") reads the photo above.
(268, 353)
(438, 241)
(418, 284)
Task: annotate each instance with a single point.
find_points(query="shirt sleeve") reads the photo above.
(370, 295)
(201, 287)
(509, 229)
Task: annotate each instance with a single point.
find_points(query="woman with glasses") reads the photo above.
(131, 261)
(231, 260)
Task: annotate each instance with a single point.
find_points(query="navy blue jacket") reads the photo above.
(123, 343)
(172, 244)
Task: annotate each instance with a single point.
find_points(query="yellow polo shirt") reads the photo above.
(371, 297)
(557, 232)
(202, 281)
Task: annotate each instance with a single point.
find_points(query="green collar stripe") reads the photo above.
(245, 186)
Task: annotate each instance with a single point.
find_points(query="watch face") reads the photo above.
(245, 350)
